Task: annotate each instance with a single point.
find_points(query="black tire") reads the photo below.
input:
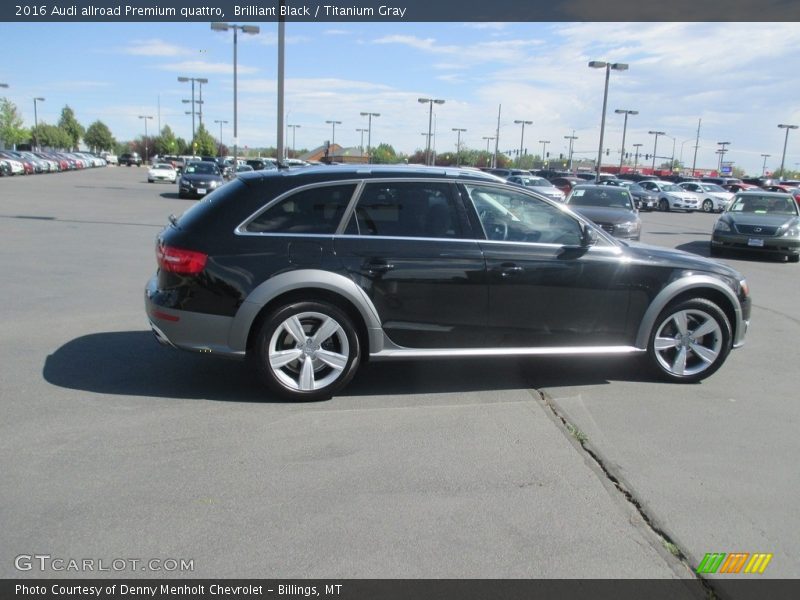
(708, 206)
(681, 357)
(793, 258)
(663, 205)
(314, 368)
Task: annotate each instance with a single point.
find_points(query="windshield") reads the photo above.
(764, 205)
(605, 197)
(201, 169)
(668, 187)
(163, 167)
(712, 187)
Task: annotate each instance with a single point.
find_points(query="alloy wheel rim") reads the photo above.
(308, 351)
(688, 342)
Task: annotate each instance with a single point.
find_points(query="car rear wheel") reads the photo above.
(708, 206)
(690, 341)
(307, 351)
(663, 205)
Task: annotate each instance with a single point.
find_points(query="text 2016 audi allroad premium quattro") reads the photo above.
(311, 272)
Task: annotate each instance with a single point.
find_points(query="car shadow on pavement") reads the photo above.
(170, 195)
(132, 363)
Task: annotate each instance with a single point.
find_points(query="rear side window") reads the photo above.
(407, 209)
(313, 210)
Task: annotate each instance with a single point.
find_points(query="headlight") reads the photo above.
(628, 227)
(793, 231)
(214, 184)
(722, 226)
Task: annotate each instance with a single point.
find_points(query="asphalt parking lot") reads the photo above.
(115, 447)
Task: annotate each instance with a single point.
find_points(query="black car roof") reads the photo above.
(335, 172)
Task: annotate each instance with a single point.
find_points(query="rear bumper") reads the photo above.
(197, 332)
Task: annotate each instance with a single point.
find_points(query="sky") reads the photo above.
(740, 79)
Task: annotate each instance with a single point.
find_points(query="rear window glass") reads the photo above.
(314, 210)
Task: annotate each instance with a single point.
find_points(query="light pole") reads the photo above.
(622, 111)
(361, 130)
(458, 145)
(571, 139)
(683, 143)
(145, 117)
(764, 166)
(488, 139)
(655, 146)
(785, 142)
(722, 150)
(430, 102)
(294, 131)
(599, 64)
(636, 156)
(221, 123)
(544, 149)
(333, 124)
(250, 29)
(35, 120)
(201, 81)
(522, 137)
(369, 116)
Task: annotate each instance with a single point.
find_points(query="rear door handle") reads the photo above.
(509, 269)
(375, 267)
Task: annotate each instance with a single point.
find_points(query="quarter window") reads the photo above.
(314, 210)
(407, 209)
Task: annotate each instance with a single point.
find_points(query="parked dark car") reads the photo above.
(609, 207)
(721, 180)
(130, 159)
(637, 177)
(198, 179)
(644, 199)
(5, 168)
(313, 271)
(764, 222)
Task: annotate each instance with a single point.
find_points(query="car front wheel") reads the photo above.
(663, 205)
(708, 206)
(307, 351)
(690, 341)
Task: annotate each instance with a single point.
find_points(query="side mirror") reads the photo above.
(588, 236)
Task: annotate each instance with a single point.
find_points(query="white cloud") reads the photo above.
(156, 47)
(200, 66)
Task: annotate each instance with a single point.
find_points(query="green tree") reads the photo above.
(11, 130)
(51, 136)
(98, 137)
(166, 142)
(70, 124)
(204, 143)
(384, 154)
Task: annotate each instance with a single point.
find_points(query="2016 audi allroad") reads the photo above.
(310, 272)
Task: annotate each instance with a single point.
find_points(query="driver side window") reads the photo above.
(509, 216)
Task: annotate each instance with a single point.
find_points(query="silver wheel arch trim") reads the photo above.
(678, 287)
(304, 279)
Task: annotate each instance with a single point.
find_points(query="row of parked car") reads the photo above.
(26, 162)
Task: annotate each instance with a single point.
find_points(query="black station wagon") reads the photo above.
(311, 272)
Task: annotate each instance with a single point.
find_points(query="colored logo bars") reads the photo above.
(720, 562)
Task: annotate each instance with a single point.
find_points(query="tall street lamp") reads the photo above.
(764, 166)
(785, 141)
(145, 117)
(522, 137)
(636, 156)
(622, 111)
(655, 145)
(599, 64)
(221, 123)
(249, 29)
(369, 116)
(35, 120)
(294, 131)
(544, 148)
(361, 130)
(201, 81)
(488, 139)
(333, 124)
(430, 102)
(571, 139)
(458, 145)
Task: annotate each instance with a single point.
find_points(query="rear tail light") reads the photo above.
(180, 261)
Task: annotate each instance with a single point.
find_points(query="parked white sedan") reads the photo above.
(713, 198)
(671, 196)
(162, 172)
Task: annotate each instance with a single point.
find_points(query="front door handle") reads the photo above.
(376, 267)
(509, 269)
